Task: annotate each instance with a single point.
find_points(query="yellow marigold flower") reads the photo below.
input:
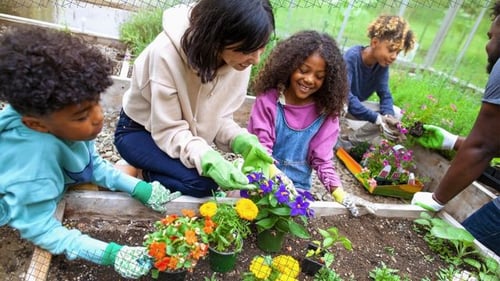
(287, 265)
(285, 277)
(247, 209)
(259, 268)
(208, 209)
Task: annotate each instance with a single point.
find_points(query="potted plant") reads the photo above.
(266, 268)
(227, 224)
(282, 210)
(176, 244)
(319, 254)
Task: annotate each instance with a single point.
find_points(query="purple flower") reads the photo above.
(282, 194)
(306, 194)
(267, 186)
(299, 207)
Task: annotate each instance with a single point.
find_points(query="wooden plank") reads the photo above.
(120, 206)
(38, 269)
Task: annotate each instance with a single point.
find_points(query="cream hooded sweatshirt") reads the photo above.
(183, 115)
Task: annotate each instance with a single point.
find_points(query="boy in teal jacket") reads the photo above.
(51, 82)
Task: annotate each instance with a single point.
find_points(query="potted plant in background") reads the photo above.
(282, 210)
(176, 245)
(319, 253)
(227, 224)
(266, 268)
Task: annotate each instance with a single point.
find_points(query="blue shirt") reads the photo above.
(363, 82)
(36, 170)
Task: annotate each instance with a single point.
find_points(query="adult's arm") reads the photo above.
(474, 155)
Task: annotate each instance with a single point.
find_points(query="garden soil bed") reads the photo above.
(374, 239)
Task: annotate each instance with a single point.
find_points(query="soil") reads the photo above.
(375, 240)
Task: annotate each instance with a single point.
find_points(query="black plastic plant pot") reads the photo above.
(310, 265)
(491, 177)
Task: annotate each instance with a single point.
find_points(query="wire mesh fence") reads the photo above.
(451, 34)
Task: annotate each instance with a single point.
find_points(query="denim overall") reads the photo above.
(291, 147)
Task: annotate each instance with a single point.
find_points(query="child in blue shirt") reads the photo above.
(368, 73)
(51, 82)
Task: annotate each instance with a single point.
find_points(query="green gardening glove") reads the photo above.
(435, 137)
(154, 195)
(129, 262)
(255, 156)
(223, 172)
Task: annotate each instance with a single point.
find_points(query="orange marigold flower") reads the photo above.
(157, 250)
(162, 264)
(172, 264)
(169, 219)
(200, 251)
(191, 237)
(188, 213)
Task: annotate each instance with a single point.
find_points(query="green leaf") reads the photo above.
(452, 233)
(280, 211)
(267, 223)
(298, 230)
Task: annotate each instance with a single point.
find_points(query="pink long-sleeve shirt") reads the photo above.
(320, 154)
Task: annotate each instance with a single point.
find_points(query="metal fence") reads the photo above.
(451, 34)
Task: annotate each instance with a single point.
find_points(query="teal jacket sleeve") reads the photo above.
(32, 208)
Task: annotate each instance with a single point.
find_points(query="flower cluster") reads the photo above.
(387, 163)
(228, 224)
(281, 207)
(279, 268)
(177, 242)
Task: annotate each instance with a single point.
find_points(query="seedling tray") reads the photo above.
(404, 191)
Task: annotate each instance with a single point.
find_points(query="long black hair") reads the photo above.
(216, 24)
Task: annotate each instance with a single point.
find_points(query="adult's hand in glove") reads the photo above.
(154, 195)
(129, 262)
(345, 199)
(389, 126)
(255, 156)
(435, 137)
(426, 201)
(223, 172)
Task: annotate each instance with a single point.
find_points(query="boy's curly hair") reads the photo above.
(290, 54)
(42, 71)
(393, 28)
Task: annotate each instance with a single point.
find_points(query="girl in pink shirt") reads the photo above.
(300, 92)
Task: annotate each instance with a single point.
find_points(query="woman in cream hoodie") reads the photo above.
(185, 87)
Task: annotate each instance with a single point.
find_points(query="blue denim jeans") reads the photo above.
(484, 225)
(137, 147)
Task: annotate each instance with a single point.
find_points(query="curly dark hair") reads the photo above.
(392, 28)
(42, 70)
(290, 54)
(216, 24)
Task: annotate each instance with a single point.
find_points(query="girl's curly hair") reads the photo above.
(290, 54)
(393, 28)
(42, 70)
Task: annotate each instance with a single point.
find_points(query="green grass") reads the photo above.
(141, 29)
